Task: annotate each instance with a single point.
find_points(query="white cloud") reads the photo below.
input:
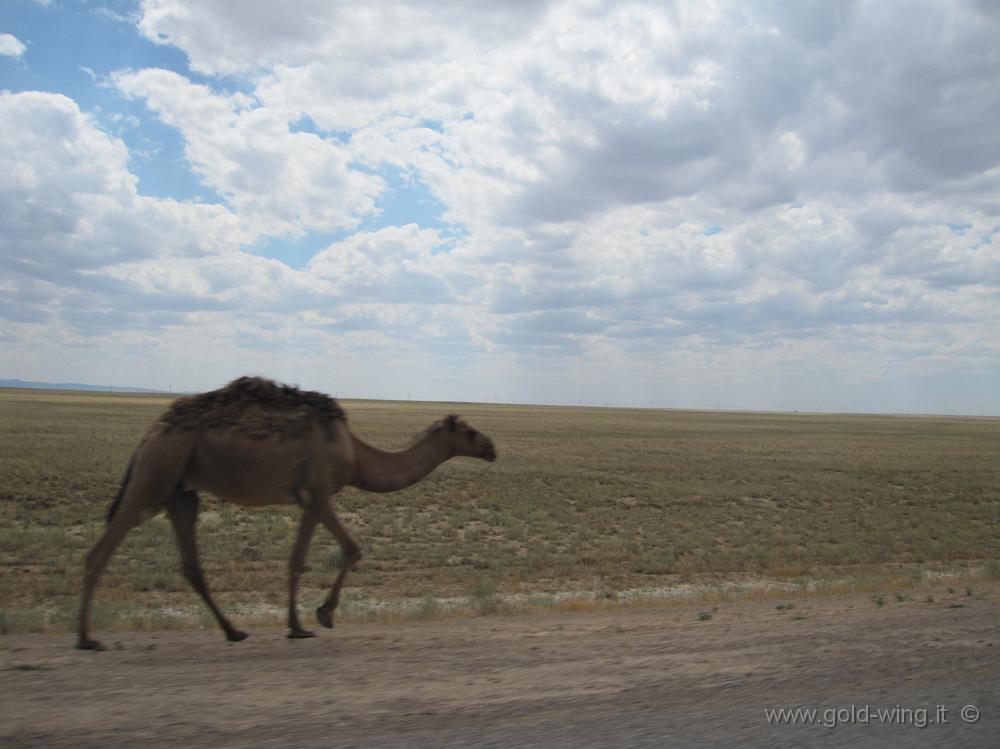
(278, 181)
(11, 46)
(91, 265)
(395, 264)
(719, 192)
(71, 203)
(73, 217)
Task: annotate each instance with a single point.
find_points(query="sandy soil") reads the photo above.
(633, 676)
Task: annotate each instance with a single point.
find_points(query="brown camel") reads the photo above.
(257, 443)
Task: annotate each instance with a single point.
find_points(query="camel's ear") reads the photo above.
(450, 422)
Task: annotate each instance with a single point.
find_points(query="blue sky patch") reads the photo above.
(305, 124)
(296, 252)
(102, 41)
(65, 40)
(406, 200)
(987, 238)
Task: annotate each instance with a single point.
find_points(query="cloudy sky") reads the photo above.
(759, 205)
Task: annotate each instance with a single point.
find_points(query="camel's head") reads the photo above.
(464, 440)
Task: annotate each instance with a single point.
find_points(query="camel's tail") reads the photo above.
(121, 490)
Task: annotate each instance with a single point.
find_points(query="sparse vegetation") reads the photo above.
(483, 597)
(627, 498)
(429, 607)
(31, 667)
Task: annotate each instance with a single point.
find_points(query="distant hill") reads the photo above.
(73, 386)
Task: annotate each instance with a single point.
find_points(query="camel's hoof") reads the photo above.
(300, 634)
(325, 617)
(85, 643)
(236, 636)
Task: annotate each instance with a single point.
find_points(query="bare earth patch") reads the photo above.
(681, 674)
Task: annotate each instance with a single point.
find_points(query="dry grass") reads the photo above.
(580, 499)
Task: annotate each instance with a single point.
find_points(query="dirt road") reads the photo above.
(659, 676)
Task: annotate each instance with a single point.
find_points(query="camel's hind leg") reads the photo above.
(156, 468)
(183, 511)
(124, 520)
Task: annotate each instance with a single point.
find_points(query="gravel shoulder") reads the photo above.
(652, 675)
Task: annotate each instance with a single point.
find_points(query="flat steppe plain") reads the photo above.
(581, 500)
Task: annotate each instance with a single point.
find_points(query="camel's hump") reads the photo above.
(255, 405)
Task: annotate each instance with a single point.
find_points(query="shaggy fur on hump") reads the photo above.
(256, 406)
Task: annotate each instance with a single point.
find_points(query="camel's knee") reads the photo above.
(94, 562)
(192, 573)
(90, 577)
(352, 553)
(90, 562)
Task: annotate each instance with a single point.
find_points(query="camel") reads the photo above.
(256, 443)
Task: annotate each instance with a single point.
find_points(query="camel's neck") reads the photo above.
(381, 471)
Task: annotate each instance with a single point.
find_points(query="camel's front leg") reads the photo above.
(352, 553)
(296, 566)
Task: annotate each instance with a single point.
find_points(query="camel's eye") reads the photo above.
(471, 434)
